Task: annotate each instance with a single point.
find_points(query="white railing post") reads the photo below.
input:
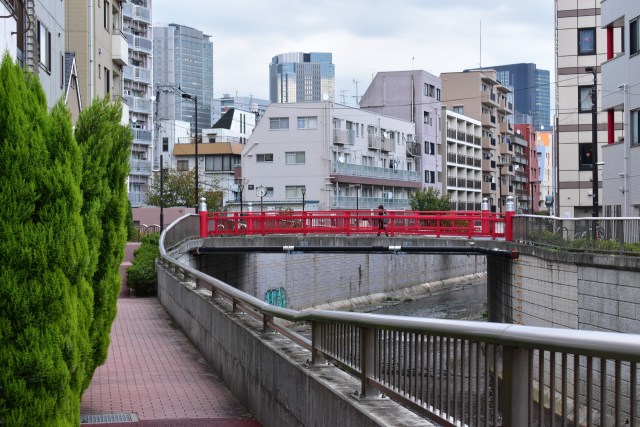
(367, 359)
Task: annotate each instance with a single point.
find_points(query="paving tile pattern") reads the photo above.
(153, 370)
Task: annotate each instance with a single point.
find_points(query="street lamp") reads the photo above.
(304, 192)
(195, 102)
(500, 165)
(594, 139)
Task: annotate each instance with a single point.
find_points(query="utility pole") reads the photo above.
(594, 140)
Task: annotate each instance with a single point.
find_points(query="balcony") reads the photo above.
(119, 49)
(505, 127)
(488, 143)
(614, 73)
(488, 165)
(351, 202)
(141, 136)
(137, 104)
(140, 43)
(489, 98)
(140, 167)
(344, 136)
(374, 172)
(136, 13)
(374, 142)
(506, 148)
(138, 74)
(414, 149)
(488, 187)
(388, 144)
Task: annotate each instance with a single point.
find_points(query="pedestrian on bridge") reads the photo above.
(382, 221)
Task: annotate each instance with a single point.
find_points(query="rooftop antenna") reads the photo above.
(342, 94)
(355, 82)
(413, 61)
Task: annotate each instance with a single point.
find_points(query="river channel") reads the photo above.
(466, 302)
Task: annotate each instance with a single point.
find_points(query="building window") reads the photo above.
(44, 43)
(635, 127)
(427, 118)
(584, 99)
(107, 81)
(279, 123)
(634, 37)
(293, 191)
(438, 94)
(182, 165)
(307, 123)
(264, 158)
(269, 192)
(430, 177)
(586, 41)
(106, 15)
(165, 144)
(294, 157)
(585, 159)
(429, 148)
(459, 110)
(220, 163)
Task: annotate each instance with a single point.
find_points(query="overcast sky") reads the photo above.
(364, 36)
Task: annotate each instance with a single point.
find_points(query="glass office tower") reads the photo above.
(301, 77)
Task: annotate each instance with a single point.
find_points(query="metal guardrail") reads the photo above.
(454, 372)
(601, 235)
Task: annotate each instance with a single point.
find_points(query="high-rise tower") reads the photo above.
(302, 77)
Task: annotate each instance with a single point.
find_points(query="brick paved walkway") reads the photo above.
(154, 371)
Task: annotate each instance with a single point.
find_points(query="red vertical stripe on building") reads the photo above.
(610, 126)
(609, 43)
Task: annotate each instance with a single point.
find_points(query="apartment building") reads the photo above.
(546, 161)
(94, 33)
(138, 94)
(581, 46)
(526, 166)
(8, 27)
(328, 156)
(413, 96)
(463, 180)
(480, 96)
(302, 77)
(620, 20)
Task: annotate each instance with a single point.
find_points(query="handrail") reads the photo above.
(394, 355)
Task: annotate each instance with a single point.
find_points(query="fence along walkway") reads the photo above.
(455, 372)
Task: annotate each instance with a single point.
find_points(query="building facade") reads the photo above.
(100, 46)
(138, 93)
(245, 103)
(480, 96)
(546, 161)
(9, 28)
(328, 156)
(463, 178)
(581, 46)
(531, 92)
(302, 77)
(620, 21)
(413, 96)
(183, 64)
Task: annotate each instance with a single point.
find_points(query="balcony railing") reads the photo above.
(414, 148)
(344, 136)
(374, 142)
(388, 144)
(142, 136)
(137, 104)
(139, 43)
(349, 169)
(138, 13)
(140, 167)
(138, 74)
(352, 202)
(119, 49)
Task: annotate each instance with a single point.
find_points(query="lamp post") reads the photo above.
(304, 192)
(594, 139)
(195, 102)
(500, 165)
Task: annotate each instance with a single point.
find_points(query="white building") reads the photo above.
(463, 181)
(331, 157)
(621, 95)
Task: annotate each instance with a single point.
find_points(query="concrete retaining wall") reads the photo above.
(566, 290)
(268, 373)
(313, 279)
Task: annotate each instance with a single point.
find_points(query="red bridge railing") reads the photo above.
(467, 224)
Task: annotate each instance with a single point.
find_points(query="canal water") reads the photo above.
(466, 302)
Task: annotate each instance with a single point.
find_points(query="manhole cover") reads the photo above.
(108, 418)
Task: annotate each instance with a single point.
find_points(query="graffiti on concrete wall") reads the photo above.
(276, 297)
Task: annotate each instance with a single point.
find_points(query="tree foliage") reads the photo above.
(179, 190)
(62, 207)
(429, 200)
(141, 275)
(106, 149)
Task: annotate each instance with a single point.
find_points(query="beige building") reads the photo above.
(581, 46)
(326, 156)
(94, 33)
(480, 96)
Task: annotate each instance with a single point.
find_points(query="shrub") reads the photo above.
(141, 275)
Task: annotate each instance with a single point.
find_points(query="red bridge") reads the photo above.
(467, 224)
